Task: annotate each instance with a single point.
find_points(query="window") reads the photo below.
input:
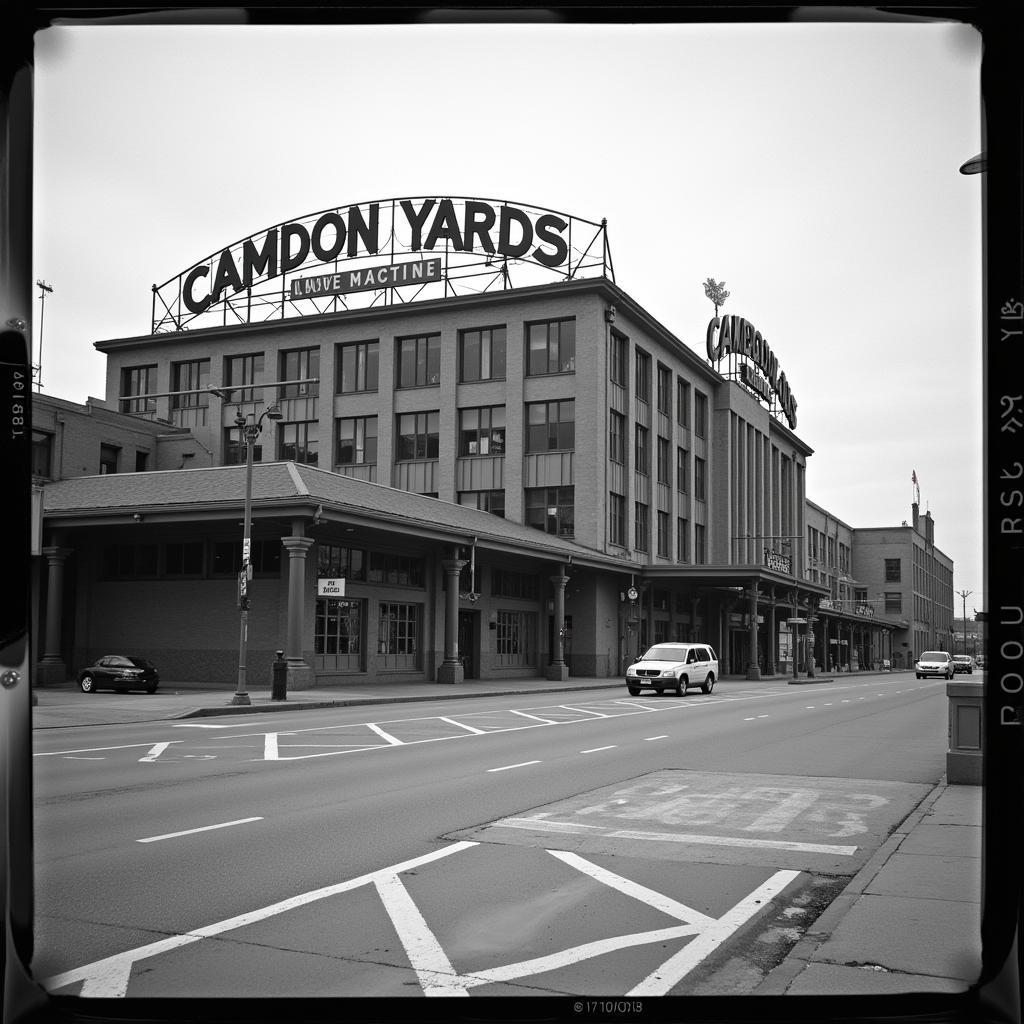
(860, 595)
(141, 461)
(551, 347)
(700, 414)
(239, 370)
(334, 561)
(482, 354)
(338, 627)
(299, 442)
(616, 519)
(892, 570)
(513, 636)
(192, 376)
(42, 453)
(184, 559)
(682, 402)
(519, 585)
(419, 360)
(643, 376)
(417, 436)
(300, 365)
(551, 426)
(617, 437)
(397, 570)
(551, 509)
(234, 448)
(264, 556)
(642, 527)
(356, 441)
(617, 359)
(664, 390)
(357, 365)
(641, 458)
(485, 501)
(109, 455)
(700, 479)
(124, 561)
(663, 535)
(482, 431)
(664, 462)
(682, 540)
(398, 629)
(893, 603)
(138, 381)
(682, 471)
(700, 544)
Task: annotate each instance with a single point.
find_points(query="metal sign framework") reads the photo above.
(480, 245)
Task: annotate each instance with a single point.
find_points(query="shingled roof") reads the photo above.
(282, 485)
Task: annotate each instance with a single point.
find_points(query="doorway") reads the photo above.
(469, 644)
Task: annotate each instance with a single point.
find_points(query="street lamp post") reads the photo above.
(250, 431)
(964, 594)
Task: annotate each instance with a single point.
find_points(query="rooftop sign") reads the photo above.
(394, 250)
(734, 335)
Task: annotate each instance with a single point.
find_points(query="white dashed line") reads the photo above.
(647, 739)
(594, 750)
(505, 768)
(193, 831)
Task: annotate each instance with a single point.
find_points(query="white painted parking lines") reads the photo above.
(509, 767)
(462, 725)
(537, 718)
(193, 831)
(393, 740)
(157, 750)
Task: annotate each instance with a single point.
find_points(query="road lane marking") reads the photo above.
(647, 739)
(157, 750)
(505, 768)
(193, 831)
(109, 977)
(536, 718)
(94, 750)
(594, 750)
(393, 740)
(462, 725)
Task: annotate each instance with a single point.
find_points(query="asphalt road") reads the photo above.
(584, 843)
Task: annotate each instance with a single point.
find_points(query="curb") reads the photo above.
(779, 978)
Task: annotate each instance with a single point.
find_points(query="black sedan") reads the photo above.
(119, 672)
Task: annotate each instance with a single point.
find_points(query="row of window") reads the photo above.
(663, 531)
(550, 348)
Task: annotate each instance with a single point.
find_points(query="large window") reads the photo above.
(514, 638)
(551, 509)
(338, 630)
(892, 570)
(519, 585)
(356, 441)
(417, 436)
(664, 390)
(138, 381)
(682, 540)
(664, 541)
(643, 376)
(357, 367)
(641, 526)
(893, 603)
(482, 431)
(126, 561)
(664, 461)
(334, 561)
(551, 426)
(641, 451)
(419, 361)
(398, 630)
(617, 359)
(264, 556)
(617, 437)
(240, 370)
(42, 453)
(300, 365)
(234, 448)
(485, 501)
(299, 442)
(682, 470)
(194, 377)
(110, 456)
(682, 402)
(184, 559)
(397, 570)
(482, 354)
(700, 544)
(700, 414)
(551, 347)
(700, 479)
(616, 519)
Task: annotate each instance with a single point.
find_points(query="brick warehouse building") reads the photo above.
(481, 468)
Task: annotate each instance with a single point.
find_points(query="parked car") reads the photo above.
(934, 663)
(673, 667)
(120, 672)
(963, 663)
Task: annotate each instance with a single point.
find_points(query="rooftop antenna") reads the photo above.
(44, 288)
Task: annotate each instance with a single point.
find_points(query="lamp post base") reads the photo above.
(241, 698)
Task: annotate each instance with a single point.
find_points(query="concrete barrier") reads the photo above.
(966, 733)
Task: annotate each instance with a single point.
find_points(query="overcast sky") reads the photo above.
(813, 168)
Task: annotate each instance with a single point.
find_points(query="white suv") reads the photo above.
(674, 667)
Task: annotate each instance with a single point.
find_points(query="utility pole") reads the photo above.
(964, 594)
(44, 288)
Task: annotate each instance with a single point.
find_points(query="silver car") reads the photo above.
(674, 667)
(934, 663)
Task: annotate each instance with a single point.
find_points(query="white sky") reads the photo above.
(813, 168)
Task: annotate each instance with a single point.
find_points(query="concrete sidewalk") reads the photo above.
(908, 922)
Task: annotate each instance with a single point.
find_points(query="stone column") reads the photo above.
(811, 620)
(558, 668)
(753, 669)
(769, 666)
(300, 674)
(450, 670)
(52, 670)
